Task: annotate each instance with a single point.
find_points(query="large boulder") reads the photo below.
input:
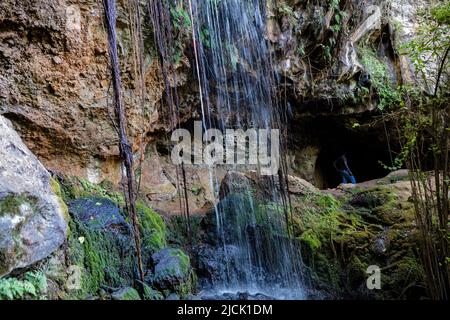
(345, 233)
(33, 221)
(172, 272)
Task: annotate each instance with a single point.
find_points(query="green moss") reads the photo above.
(75, 187)
(185, 263)
(56, 188)
(177, 276)
(441, 13)
(127, 294)
(188, 286)
(105, 258)
(10, 205)
(339, 242)
(311, 239)
(177, 233)
(152, 294)
(152, 227)
(319, 219)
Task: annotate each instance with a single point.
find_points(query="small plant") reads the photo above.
(32, 286)
(336, 28)
(286, 10)
(180, 17)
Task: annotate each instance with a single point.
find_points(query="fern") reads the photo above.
(32, 286)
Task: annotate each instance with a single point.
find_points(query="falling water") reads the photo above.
(238, 88)
(237, 83)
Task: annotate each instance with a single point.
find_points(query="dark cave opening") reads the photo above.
(367, 148)
(365, 161)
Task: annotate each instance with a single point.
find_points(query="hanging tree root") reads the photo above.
(119, 112)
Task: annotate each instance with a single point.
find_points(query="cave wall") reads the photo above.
(322, 139)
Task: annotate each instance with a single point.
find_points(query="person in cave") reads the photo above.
(341, 166)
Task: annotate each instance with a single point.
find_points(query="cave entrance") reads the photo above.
(366, 147)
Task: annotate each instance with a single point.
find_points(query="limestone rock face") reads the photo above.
(404, 16)
(318, 46)
(32, 218)
(54, 81)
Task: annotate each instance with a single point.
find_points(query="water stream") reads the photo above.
(237, 81)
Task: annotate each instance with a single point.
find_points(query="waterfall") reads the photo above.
(238, 90)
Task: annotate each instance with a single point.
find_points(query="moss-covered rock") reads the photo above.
(151, 294)
(342, 238)
(33, 222)
(173, 272)
(153, 230)
(105, 257)
(101, 244)
(75, 187)
(126, 294)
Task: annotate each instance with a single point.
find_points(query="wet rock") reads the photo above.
(173, 297)
(214, 262)
(172, 271)
(33, 219)
(382, 242)
(261, 186)
(126, 294)
(98, 213)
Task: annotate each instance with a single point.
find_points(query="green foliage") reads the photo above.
(441, 13)
(182, 26)
(430, 44)
(336, 28)
(205, 37)
(33, 285)
(286, 10)
(338, 16)
(388, 94)
(426, 51)
(424, 125)
(180, 17)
